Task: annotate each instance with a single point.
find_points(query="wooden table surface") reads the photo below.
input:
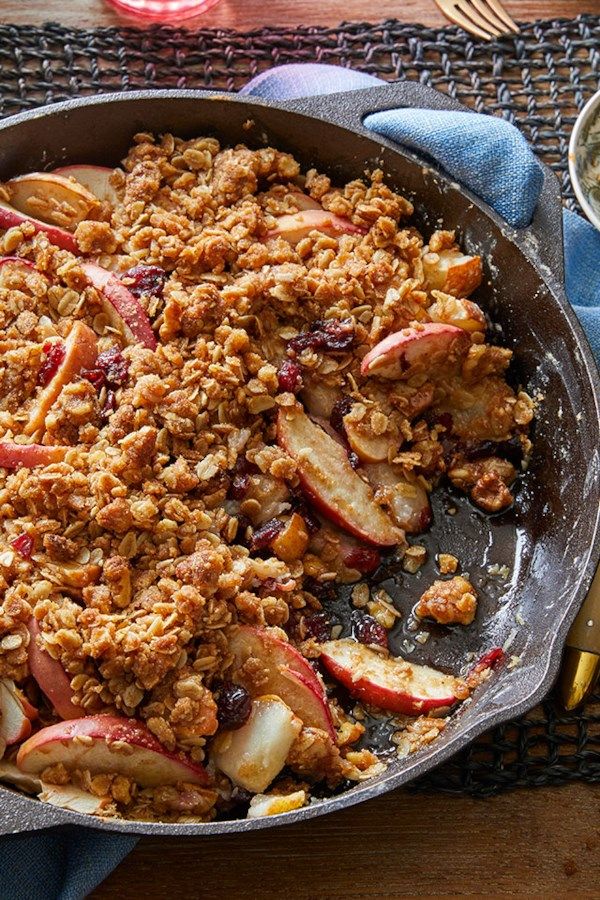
(544, 841)
(246, 14)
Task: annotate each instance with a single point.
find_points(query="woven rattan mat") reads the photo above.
(538, 80)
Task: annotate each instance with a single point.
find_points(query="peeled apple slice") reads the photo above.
(256, 753)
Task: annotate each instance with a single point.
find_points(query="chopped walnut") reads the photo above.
(414, 557)
(486, 481)
(449, 602)
(447, 563)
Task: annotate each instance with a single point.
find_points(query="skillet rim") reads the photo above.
(19, 812)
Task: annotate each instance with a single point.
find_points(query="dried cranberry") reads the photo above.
(340, 409)
(23, 545)
(245, 467)
(329, 335)
(323, 590)
(141, 280)
(303, 509)
(311, 520)
(266, 534)
(490, 660)
(239, 487)
(363, 559)
(110, 404)
(55, 353)
(367, 630)
(318, 627)
(114, 366)
(95, 377)
(269, 585)
(290, 376)
(445, 420)
(234, 706)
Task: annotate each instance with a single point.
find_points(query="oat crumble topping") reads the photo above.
(232, 385)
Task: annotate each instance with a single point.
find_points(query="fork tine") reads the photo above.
(484, 7)
(450, 10)
(502, 14)
(470, 12)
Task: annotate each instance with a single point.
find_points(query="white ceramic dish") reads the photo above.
(584, 159)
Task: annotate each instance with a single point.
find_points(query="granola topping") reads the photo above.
(242, 399)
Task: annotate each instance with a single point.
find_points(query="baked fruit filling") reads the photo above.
(229, 388)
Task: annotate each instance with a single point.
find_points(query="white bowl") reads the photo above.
(584, 159)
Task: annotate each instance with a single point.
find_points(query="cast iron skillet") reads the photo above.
(549, 540)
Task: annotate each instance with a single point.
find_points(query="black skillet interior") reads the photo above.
(532, 564)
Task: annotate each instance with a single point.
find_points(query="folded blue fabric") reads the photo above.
(490, 157)
(63, 863)
(485, 153)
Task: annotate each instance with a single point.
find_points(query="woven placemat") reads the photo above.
(538, 80)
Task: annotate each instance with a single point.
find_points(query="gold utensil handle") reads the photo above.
(585, 630)
(581, 661)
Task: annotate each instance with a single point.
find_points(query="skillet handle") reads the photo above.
(541, 240)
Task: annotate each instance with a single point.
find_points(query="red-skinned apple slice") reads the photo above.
(290, 677)
(120, 301)
(304, 201)
(368, 446)
(461, 313)
(388, 682)
(319, 398)
(21, 275)
(10, 218)
(29, 456)
(15, 725)
(407, 501)
(81, 351)
(452, 271)
(29, 709)
(108, 744)
(255, 754)
(14, 261)
(307, 700)
(296, 226)
(52, 198)
(95, 178)
(431, 348)
(330, 481)
(50, 676)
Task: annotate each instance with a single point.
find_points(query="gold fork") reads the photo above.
(483, 18)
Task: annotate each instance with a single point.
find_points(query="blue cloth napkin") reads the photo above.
(485, 153)
(64, 863)
(489, 156)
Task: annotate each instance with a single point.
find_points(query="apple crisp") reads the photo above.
(228, 386)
